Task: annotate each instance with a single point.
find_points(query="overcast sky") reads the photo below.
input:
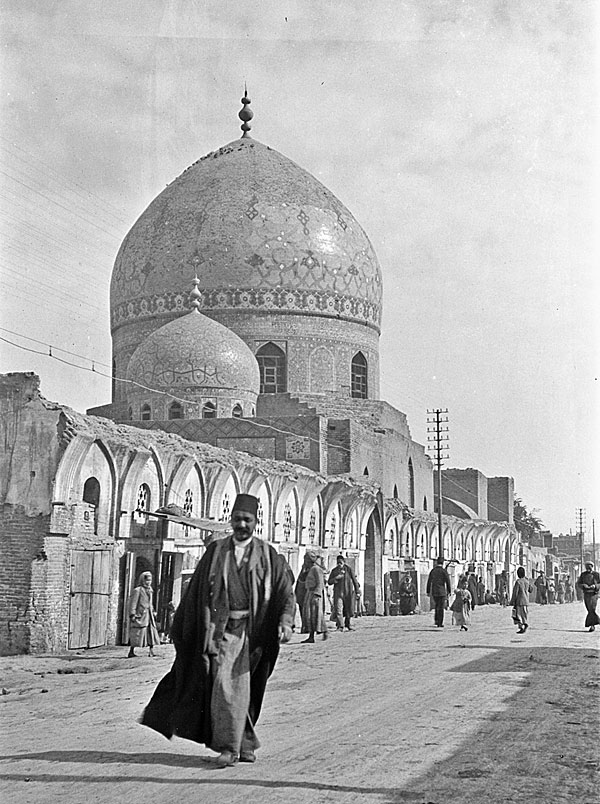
(461, 134)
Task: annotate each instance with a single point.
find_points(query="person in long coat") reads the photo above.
(143, 632)
(461, 605)
(407, 592)
(300, 589)
(541, 584)
(345, 589)
(438, 586)
(238, 608)
(472, 587)
(520, 601)
(313, 614)
(589, 583)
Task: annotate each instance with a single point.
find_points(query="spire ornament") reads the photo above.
(195, 295)
(245, 114)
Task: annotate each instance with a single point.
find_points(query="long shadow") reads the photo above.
(488, 765)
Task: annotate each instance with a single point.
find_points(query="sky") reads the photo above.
(460, 133)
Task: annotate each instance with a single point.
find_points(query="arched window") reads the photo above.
(142, 503)
(395, 491)
(237, 411)
(411, 484)
(209, 410)
(358, 382)
(130, 413)
(312, 527)
(424, 503)
(287, 522)
(272, 367)
(175, 410)
(146, 413)
(188, 503)
(91, 495)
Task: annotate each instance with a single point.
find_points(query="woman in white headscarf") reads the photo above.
(143, 632)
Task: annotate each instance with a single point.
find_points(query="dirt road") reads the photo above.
(395, 711)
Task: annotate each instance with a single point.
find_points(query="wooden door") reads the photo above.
(90, 591)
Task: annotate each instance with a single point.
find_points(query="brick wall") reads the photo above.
(22, 556)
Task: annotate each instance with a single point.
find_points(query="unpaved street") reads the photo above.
(396, 711)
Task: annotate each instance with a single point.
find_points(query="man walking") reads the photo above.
(589, 583)
(438, 586)
(238, 608)
(345, 589)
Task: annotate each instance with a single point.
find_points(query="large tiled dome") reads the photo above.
(260, 232)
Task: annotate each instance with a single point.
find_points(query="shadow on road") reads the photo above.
(539, 747)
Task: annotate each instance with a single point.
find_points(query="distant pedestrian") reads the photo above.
(461, 605)
(313, 614)
(551, 591)
(408, 595)
(560, 591)
(541, 584)
(345, 588)
(300, 589)
(438, 586)
(520, 601)
(568, 590)
(143, 632)
(480, 592)
(472, 587)
(502, 590)
(589, 583)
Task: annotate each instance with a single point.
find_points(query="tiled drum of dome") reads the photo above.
(259, 231)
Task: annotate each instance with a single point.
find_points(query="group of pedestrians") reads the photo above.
(439, 588)
(310, 594)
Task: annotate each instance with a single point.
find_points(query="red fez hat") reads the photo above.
(247, 503)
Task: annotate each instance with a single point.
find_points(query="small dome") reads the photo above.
(194, 359)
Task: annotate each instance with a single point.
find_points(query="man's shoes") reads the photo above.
(226, 759)
(350, 628)
(248, 756)
(592, 628)
(310, 640)
(339, 628)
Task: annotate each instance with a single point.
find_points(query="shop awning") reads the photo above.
(192, 522)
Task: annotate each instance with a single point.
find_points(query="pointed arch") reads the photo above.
(358, 377)
(272, 366)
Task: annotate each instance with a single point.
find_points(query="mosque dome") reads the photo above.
(261, 233)
(196, 362)
(281, 262)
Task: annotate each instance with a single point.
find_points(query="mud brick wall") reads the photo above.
(22, 556)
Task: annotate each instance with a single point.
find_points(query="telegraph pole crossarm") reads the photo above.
(438, 417)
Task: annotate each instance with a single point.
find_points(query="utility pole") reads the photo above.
(580, 513)
(594, 542)
(436, 421)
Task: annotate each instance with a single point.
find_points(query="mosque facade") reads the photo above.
(245, 320)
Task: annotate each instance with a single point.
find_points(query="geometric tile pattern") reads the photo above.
(259, 232)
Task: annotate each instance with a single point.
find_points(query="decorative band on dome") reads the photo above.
(283, 300)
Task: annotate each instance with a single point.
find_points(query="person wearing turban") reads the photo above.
(238, 608)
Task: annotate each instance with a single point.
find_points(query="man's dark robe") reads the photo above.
(181, 702)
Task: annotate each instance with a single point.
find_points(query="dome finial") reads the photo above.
(195, 294)
(245, 114)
